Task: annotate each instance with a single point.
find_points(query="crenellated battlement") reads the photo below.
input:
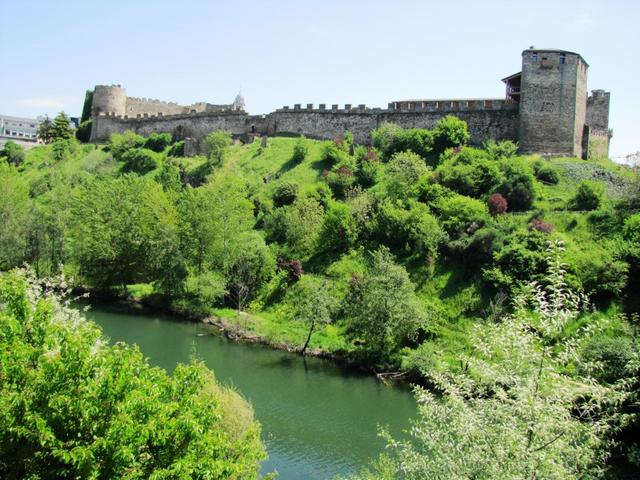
(410, 106)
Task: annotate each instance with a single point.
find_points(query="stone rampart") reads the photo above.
(193, 125)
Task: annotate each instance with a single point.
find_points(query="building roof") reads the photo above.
(19, 119)
(555, 50)
(512, 76)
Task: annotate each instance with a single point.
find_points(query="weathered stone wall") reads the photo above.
(140, 106)
(598, 109)
(495, 119)
(109, 99)
(552, 111)
(598, 144)
(195, 126)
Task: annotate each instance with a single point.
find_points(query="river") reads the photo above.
(318, 420)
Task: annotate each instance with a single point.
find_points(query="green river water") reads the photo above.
(318, 419)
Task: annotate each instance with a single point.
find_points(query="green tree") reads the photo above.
(45, 130)
(381, 307)
(14, 214)
(588, 196)
(60, 129)
(450, 132)
(139, 160)
(120, 143)
(515, 411)
(124, 231)
(12, 153)
(212, 219)
(71, 406)
(296, 227)
(252, 265)
(518, 187)
(403, 171)
(300, 150)
(312, 304)
(215, 146)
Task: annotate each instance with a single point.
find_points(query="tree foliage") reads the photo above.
(73, 407)
(215, 146)
(515, 411)
(381, 306)
(124, 231)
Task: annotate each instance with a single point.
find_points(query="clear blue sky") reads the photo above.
(323, 51)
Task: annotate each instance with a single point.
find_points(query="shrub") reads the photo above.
(341, 179)
(470, 172)
(215, 146)
(631, 229)
(340, 229)
(300, 150)
(403, 171)
(177, 149)
(500, 150)
(450, 132)
(541, 226)
(518, 187)
(548, 174)
(158, 141)
(331, 153)
(285, 194)
(588, 196)
(12, 152)
(293, 268)
(119, 143)
(391, 139)
(460, 214)
(139, 160)
(83, 133)
(414, 229)
(497, 204)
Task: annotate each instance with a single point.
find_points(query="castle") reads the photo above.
(546, 110)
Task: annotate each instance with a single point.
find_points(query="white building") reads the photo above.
(19, 128)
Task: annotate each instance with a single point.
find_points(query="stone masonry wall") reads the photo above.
(195, 126)
(598, 109)
(598, 144)
(497, 120)
(551, 102)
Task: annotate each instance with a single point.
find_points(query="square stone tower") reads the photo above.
(553, 102)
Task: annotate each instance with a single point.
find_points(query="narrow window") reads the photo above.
(563, 59)
(535, 58)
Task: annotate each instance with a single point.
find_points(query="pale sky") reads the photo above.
(322, 51)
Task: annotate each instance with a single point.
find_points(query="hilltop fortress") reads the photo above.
(546, 110)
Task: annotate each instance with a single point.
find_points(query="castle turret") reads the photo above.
(109, 99)
(552, 102)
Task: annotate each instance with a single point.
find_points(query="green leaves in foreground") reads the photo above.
(73, 407)
(516, 410)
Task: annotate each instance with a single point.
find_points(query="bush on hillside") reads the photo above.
(500, 150)
(588, 196)
(158, 141)
(12, 153)
(139, 160)
(285, 194)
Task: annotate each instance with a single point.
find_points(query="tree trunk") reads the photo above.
(306, 344)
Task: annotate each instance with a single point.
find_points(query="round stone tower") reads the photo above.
(109, 99)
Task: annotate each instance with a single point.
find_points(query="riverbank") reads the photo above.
(238, 328)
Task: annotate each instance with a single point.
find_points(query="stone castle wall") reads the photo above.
(546, 111)
(192, 125)
(598, 109)
(495, 119)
